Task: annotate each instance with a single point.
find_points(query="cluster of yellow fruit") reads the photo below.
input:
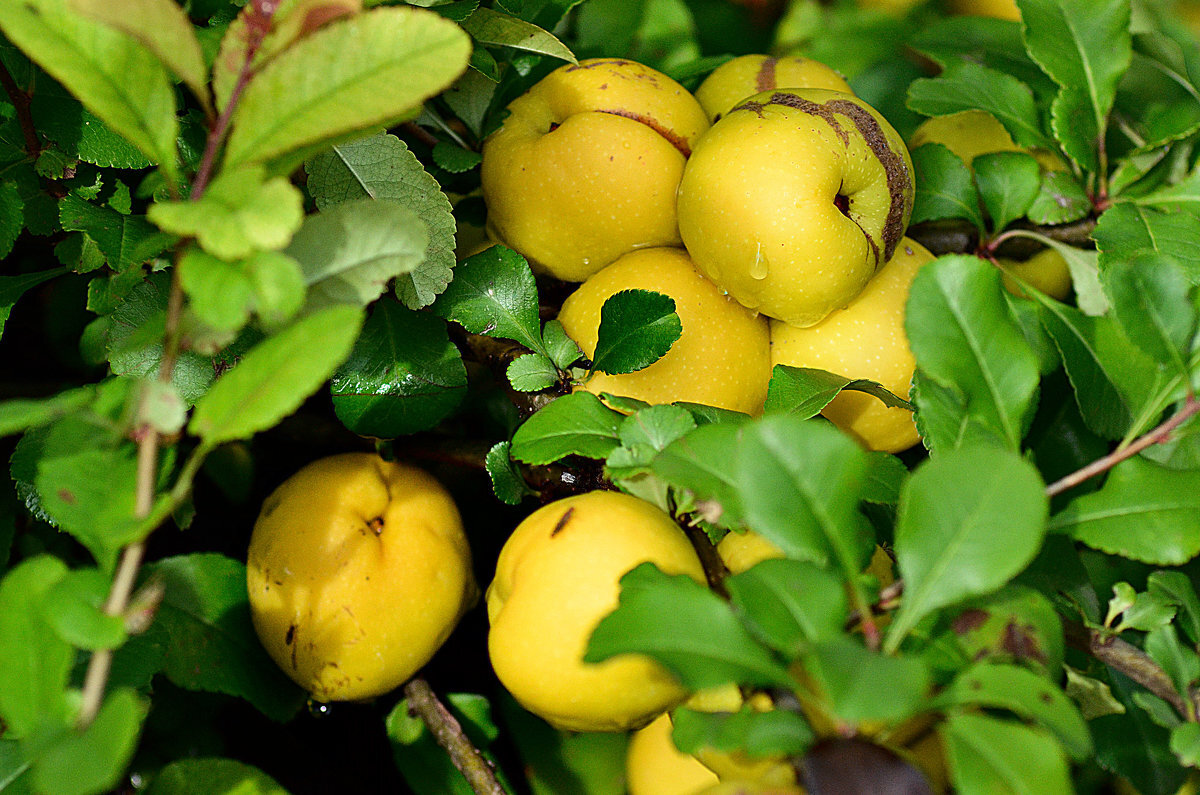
(771, 206)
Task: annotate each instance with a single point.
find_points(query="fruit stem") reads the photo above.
(445, 728)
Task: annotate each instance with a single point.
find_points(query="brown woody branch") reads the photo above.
(1128, 659)
(445, 728)
(960, 237)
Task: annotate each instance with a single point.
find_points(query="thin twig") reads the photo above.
(21, 101)
(715, 570)
(1128, 659)
(445, 728)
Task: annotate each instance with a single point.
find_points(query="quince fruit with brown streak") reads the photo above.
(734, 81)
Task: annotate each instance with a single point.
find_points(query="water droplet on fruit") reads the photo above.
(760, 267)
(318, 709)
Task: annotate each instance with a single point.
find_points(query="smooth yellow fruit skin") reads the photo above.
(1046, 271)
(741, 551)
(358, 570)
(737, 765)
(1000, 9)
(971, 133)
(747, 75)
(864, 340)
(587, 163)
(556, 578)
(722, 357)
(758, 204)
(654, 766)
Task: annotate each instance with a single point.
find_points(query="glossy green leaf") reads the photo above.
(276, 376)
(1085, 45)
(965, 340)
(687, 628)
(350, 252)
(699, 465)
(1060, 200)
(404, 374)
(969, 520)
(20, 415)
(204, 623)
(1152, 304)
(487, 26)
(532, 372)
(1174, 587)
(493, 293)
(563, 350)
(507, 484)
(112, 75)
(1143, 512)
(455, 159)
(212, 776)
(755, 734)
(575, 424)
(804, 391)
(1180, 662)
(989, 755)
(382, 167)
(240, 212)
(790, 603)
(863, 685)
(944, 187)
(374, 68)
(1008, 183)
(637, 328)
(1125, 230)
(126, 241)
(94, 759)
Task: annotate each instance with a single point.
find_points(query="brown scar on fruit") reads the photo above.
(675, 140)
(290, 640)
(376, 525)
(765, 79)
(562, 522)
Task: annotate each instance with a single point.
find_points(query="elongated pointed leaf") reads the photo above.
(1008, 184)
(575, 424)
(492, 27)
(1126, 230)
(1150, 297)
(363, 72)
(944, 187)
(790, 602)
(864, 685)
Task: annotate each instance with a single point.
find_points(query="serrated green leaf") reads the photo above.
(209, 775)
(986, 755)
(80, 133)
(532, 372)
(1143, 512)
(494, 293)
(382, 167)
(1184, 194)
(1061, 199)
(790, 603)
(404, 374)
(1151, 303)
(507, 483)
(241, 212)
(12, 216)
(349, 253)
(1126, 229)
(204, 621)
(375, 68)
(575, 424)
(950, 512)
(944, 187)
(863, 685)
(1085, 46)
(92, 760)
(1008, 183)
(13, 287)
(1174, 587)
(126, 241)
(637, 328)
(756, 734)
(492, 27)
(992, 42)
(805, 391)
(965, 340)
(274, 377)
(115, 77)
(455, 159)
(968, 86)
(687, 628)
(562, 350)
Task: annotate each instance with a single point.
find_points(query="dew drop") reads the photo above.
(318, 709)
(760, 267)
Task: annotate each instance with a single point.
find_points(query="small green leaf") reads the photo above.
(1185, 744)
(1143, 512)
(455, 159)
(755, 734)
(507, 483)
(404, 374)
(687, 628)
(210, 775)
(987, 754)
(563, 350)
(12, 216)
(575, 424)
(20, 415)
(790, 603)
(74, 608)
(1174, 587)
(1060, 200)
(240, 213)
(944, 187)
(637, 328)
(885, 475)
(950, 512)
(127, 241)
(275, 376)
(1148, 611)
(349, 253)
(532, 372)
(1151, 303)
(1008, 183)
(219, 291)
(13, 287)
(863, 685)
(1181, 663)
(494, 293)
(804, 391)
(382, 167)
(492, 27)
(376, 67)
(1125, 230)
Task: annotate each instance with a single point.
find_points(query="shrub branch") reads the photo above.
(445, 728)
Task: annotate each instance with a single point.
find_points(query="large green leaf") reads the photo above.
(92, 760)
(1151, 302)
(494, 293)
(789, 603)
(353, 75)
(575, 424)
(382, 167)
(1126, 230)
(969, 521)
(493, 27)
(275, 376)
(115, 78)
(1008, 184)
(863, 685)
(989, 755)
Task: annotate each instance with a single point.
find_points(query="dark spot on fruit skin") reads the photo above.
(270, 505)
(674, 139)
(765, 79)
(968, 621)
(562, 522)
(376, 525)
(290, 636)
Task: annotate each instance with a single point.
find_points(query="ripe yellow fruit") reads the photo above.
(793, 200)
(654, 766)
(586, 165)
(1000, 9)
(358, 570)
(1046, 271)
(741, 551)
(722, 357)
(738, 765)
(968, 134)
(864, 340)
(556, 578)
(747, 75)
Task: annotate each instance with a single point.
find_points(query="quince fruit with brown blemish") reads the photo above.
(587, 163)
(722, 358)
(736, 80)
(358, 571)
(556, 577)
(792, 201)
